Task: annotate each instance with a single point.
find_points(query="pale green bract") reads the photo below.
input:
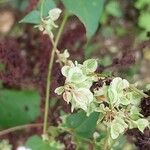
(142, 124)
(135, 113)
(118, 126)
(90, 65)
(48, 23)
(116, 91)
(63, 56)
(82, 98)
(120, 110)
(75, 75)
(59, 90)
(77, 84)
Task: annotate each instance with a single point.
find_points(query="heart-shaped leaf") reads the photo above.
(82, 125)
(18, 107)
(88, 11)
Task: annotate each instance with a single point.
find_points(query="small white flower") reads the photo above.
(67, 96)
(63, 56)
(23, 148)
(75, 75)
(90, 65)
(118, 126)
(59, 90)
(119, 83)
(48, 23)
(82, 98)
(54, 13)
(116, 91)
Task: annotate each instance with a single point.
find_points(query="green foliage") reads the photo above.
(82, 125)
(119, 114)
(19, 4)
(144, 21)
(140, 4)
(142, 124)
(90, 65)
(105, 61)
(18, 107)
(46, 6)
(113, 9)
(78, 81)
(34, 16)
(118, 126)
(36, 143)
(144, 17)
(88, 11)
(2, 67)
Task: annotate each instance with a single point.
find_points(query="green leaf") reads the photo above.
(112, 95)
(144, 21)
(88, 11)
(90, 65)
(118, 126)
(18, 107)
(33, 17)
(2, 67)
(142, 124)
(36, 143)
(82, 125)
(75, 75)
(19, 4)
(47, 5)
(134, 112)
(140, 4)
(59, 90)
(113, 8)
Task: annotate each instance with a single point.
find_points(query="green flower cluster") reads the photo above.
(48, 23)
(79, 79)
(118, 102)
(122, 112)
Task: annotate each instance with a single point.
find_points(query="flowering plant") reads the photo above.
(114, 99)
(117, 101)
(101, 107)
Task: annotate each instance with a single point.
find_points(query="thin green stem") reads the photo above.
(41, 12)
(4, 1)
(106, 145)
(109, 142)
(6, 131)
(48, 86)
(61, 29)
(138, 91)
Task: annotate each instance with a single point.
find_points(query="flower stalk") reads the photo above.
(48, 86)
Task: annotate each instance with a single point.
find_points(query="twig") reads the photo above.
(50, 71)
(6, 131)
(138, 91)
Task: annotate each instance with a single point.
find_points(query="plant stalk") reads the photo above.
(48, 86)
(106, 144)
(138, 91)
(6, 131)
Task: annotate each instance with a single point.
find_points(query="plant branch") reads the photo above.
(20, 128)
(138, 91)
(48, 86)
(106, 145)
